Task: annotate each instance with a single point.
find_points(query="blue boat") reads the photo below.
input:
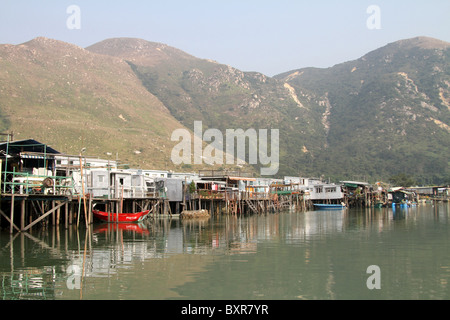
(320, 206)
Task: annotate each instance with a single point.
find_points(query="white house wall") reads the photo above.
(325, 192)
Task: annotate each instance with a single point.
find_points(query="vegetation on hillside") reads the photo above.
(378, 117)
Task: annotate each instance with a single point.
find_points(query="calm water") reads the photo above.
(309, 255)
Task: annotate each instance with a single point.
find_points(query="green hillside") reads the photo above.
(389, 111)
(385, 114)
(223, 97)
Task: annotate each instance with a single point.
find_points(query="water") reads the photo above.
(311, 255)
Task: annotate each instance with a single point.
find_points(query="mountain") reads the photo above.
(221, 96)
(383, 114)
(71, 98)
(387, 112)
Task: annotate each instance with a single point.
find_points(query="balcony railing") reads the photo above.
(26, 183)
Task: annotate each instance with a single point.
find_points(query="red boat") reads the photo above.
(120, 217)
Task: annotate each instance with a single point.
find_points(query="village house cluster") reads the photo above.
(39, 182)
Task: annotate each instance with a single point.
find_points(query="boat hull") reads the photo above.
(120, 217)
(329, 206)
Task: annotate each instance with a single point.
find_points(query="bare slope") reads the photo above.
(223, 97)
(383, 114)
(72, 98)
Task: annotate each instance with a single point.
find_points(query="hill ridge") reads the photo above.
(370, 117)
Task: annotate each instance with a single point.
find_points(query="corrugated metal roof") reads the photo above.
(27, 145)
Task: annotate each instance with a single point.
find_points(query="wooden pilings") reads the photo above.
(23, 212)
(26, 212)
(237, 204)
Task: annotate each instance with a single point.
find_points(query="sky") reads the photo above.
(270, 37)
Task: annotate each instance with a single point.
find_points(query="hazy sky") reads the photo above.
(265, 36)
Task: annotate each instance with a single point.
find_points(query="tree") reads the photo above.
(402, 180)
(192, 187)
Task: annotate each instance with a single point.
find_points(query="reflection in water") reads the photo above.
(310, 255)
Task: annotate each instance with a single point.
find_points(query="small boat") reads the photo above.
(379, 204)
(321, 206)
(120, 217)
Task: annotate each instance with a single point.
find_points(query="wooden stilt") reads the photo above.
(22, 214)
(90, 211)
(58, 216)
(8, 219)
(44, 216)
(66, 215)
(71, 214)
(12, 215)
